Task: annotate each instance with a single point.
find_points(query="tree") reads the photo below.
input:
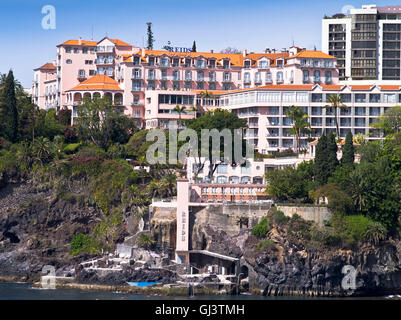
(151, 40)
(179, 110)
(230, 50)
(194, 47)
(332, 161)
(300, 123)
(390, 121)
(9, 112)
(348, 151)
(218, 119)
(99, 122)
(286, 184)
(168, 46)
(336, 103)
(320, 165)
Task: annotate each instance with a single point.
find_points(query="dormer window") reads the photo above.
(187, 63)
(176, 62)
(164, 62)
(136, 60)
(212, 64)
(151, 61)
(280, 63)
(200, 63)
(226, 64)
(263, 64)
(247, 64)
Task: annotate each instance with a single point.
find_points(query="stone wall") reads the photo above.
(316, 214)
(228, 217)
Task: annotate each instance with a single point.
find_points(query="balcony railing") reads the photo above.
(104, 61)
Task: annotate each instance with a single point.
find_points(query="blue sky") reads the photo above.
(214, 24)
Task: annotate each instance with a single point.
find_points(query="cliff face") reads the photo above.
(289, 265)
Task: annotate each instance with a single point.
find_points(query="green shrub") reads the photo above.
(80, 243)
(375, 232)
(71, 148)
(261, 229)
(279, 218)
(265, 244)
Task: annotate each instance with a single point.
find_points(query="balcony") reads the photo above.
(136, 76)
(151, 77)
(104, 61)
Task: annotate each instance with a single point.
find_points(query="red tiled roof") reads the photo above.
(48, 66)
(76, 43)
(118, 42)
(335, 87)
(390, 87)
(361, 87)
(312, 54)
(98, 82)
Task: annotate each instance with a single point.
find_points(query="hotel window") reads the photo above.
(68, 61)
(92, 72)
(279, 76)
(92, 50)
(136, 85)
(151, 74)
(151, 85)
(199, 86)
(258, 78)
(188, 85)
(317, 97)
(176, 62)
(164, 62)
(360, 97)
(176, 85)
(302, 97)
(100, 70)
(389, 98)
(68, 50)
(247, 64)
(227, 76)
(110, 71)
(151, 61)
(222, 168)
(263, 64)
(374, 97)
(176, 75)
(227, 86)
(84, 50)
(76, 50)
(316, 76)
(345, 97)
(212, 64)
(136, 99)
(136, 61)
(239, 75)
(200, 76)
(306, 76)
(200, 63)
(247, 77)
(268, 77)
(280, 63)
(188, 75)
(226, 64)
(137, 73)
(81, 73)
(327, 76)
(163, 85)
(212, 86)
(187, 63)
(212, 76)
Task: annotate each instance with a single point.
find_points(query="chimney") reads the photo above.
(211, 51)
(244, 53)
(80, 41)
(143, 52)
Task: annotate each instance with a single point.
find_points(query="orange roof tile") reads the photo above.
(213, 92)
(332, 87)
(390, 87)
(47, 66)
(98, 82)
(120, 43)
(361, 87)
(76, 43)
(312, 54)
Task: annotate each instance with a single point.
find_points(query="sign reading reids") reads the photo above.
(179, 49)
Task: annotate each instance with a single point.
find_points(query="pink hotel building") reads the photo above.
(257, 86)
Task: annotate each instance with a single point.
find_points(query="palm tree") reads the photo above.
(194, 109)
(300, 122)
(336, 102)
(180, 110)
